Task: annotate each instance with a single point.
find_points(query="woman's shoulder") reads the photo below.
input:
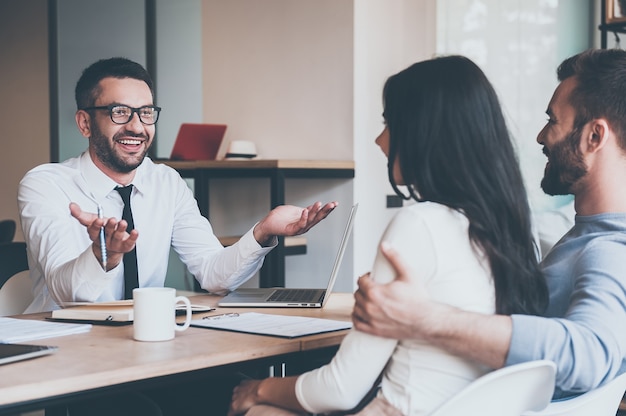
(429, 211)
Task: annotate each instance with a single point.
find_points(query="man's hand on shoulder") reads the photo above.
(289, 220)
(398, 309)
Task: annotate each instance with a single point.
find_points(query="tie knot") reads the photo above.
(125, 192)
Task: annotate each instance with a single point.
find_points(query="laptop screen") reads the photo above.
(198, 141)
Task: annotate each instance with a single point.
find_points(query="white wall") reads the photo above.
(178, 68)
(519, 44)
(89, 31)
(24, 104)
(389, 36)
(279, 73)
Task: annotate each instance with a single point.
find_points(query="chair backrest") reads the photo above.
(602, 401)
(15, 286)
(7, 231)
(508, 391)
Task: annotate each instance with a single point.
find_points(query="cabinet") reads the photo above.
(277, 171)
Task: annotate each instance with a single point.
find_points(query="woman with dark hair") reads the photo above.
(467, 237)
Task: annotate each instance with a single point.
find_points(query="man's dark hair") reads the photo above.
(600, 90)
(87, 87)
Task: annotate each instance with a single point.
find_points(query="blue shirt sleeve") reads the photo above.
(586, 339)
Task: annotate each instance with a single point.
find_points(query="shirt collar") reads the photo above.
(100, 185)
(141, 175)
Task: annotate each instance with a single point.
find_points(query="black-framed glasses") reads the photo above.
(122, 114)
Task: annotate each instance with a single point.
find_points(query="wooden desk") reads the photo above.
(107, 358)
(273, 270)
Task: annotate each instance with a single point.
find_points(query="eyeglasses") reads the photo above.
(122, 114)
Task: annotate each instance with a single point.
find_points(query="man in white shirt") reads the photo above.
(58, 204)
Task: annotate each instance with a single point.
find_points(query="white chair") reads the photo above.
(603, 401)
(508, 391)
(15, 286)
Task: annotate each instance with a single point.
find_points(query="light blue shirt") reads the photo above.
(62, 265)
(586, 335)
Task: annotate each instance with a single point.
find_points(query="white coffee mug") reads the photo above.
(154, 310)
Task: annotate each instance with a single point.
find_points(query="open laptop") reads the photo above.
(291, 298)
(198, 141)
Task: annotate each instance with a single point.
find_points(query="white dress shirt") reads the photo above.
(62, 265)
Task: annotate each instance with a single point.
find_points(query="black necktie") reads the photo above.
(131, 278)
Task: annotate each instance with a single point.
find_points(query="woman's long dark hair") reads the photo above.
(449, 135)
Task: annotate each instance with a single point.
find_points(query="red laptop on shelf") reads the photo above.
(198, 141)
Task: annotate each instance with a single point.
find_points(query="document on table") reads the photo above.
(13, 330)
(268, 324)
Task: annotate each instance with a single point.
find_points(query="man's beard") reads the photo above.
(566, 165)
(105, 152)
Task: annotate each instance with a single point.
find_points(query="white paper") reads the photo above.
(268, 324)
(14, 330)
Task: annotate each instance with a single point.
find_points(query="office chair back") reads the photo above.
(602, 401)
(509, 391)
(15, 286)
(7, 231)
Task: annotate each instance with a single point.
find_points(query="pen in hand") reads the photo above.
(103, 246)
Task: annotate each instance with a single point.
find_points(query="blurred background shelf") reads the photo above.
(293, 245)
(272, 273)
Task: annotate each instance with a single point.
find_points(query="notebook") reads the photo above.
(291, 298)
(118, 312)
(16, 352)
(110, 313)
(198, 141)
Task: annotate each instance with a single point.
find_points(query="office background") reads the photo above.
(302, 79)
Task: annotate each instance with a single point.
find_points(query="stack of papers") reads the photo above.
(267, 324)
(14, 330)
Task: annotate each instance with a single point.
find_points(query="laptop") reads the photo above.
(16, 352)
(198, 141)
(291, 298)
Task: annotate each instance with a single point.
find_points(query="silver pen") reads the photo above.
(103, 245)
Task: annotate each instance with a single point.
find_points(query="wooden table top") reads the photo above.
(108, 355)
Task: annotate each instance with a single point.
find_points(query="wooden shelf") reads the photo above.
(259, 164)
(606, 27)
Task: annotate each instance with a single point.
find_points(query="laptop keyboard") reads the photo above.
(299, 295)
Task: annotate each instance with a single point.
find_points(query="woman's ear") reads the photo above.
(82, 121)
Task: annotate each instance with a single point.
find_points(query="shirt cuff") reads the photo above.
(249, 244)
(90, 289)
(522, 345)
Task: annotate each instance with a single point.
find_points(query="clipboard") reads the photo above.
(284, 326)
